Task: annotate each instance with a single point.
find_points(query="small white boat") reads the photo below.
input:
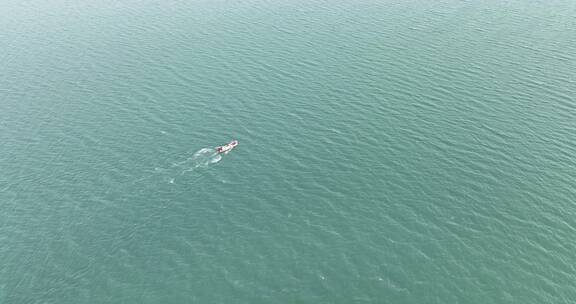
(227, 148)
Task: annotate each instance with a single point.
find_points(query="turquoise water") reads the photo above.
(390, 151)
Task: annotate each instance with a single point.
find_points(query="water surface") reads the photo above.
(390, 151)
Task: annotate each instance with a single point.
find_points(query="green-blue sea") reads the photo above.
(391, 151)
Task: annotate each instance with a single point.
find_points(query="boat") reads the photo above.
(227, 148)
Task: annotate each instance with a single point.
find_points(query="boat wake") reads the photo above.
(200, 159)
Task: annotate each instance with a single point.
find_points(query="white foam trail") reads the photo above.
(200, 159)
(205, 157)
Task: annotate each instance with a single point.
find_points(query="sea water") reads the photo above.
(390, 151)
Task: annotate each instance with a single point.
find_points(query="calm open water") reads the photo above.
(390, 151)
